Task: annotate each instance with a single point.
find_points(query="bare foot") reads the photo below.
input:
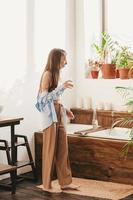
(70, 187)
(52, 190)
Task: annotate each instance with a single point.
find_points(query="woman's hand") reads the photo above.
(69, 114)
(68, 84)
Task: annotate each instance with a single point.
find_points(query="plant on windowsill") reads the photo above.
(127, 94)
(107, 52)
(94, 68)
(125, 62)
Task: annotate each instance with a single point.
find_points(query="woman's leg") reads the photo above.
(48, 155)
(62, 160)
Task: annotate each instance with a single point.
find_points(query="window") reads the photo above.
(93, 24)
(113, 17)
(119, 20)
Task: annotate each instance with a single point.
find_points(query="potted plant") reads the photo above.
(124, 62)
(107, 51)
(94, 68)
(127, 94)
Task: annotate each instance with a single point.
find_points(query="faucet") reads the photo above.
(94, 119)
(112, 116)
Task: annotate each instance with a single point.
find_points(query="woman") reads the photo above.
(55, 147)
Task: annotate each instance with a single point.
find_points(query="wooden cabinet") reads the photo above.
(105, 117)
(82, 116)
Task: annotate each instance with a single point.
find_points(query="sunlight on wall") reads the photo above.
(49, 29)
(12, 41)
(29, 29)
(13, 60)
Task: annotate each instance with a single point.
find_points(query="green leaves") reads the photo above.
(107, 48)
(125, 148)
(127, 94)
(125, 58)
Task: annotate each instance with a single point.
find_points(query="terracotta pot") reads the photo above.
(108, 71)
(124, 73)
(130, 73)
(94, 74)
(117, 73)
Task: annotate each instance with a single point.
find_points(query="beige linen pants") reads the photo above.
(55, 153)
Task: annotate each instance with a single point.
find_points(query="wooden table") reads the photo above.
(11, 122)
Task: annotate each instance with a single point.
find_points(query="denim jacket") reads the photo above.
(45, 105)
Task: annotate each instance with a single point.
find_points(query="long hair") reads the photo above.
(53, 66)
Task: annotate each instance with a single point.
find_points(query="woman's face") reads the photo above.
(63, 61)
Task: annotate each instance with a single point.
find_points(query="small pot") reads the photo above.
(124, 73)
(94, 74)
(117, 73)
(130, 73)
(108, 71)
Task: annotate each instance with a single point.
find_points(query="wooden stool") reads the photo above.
(8, 168)
(18, 142)
(24, 142)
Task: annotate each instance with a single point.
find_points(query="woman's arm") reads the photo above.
(69, 114)
(44, 96)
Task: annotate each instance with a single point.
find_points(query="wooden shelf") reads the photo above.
(105, 117)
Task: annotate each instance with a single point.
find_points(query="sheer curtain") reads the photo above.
(12, 42)
(49, 29)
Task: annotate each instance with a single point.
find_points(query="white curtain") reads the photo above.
(12, 42)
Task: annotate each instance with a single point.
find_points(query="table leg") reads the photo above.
(13, 154)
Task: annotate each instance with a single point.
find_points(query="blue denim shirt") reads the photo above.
(45, 105)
